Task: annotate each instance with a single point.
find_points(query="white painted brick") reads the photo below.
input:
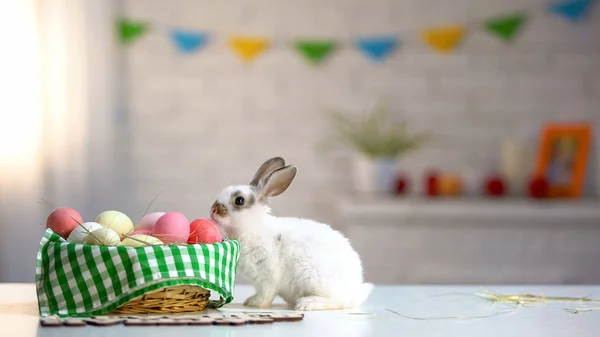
(593, 88)
(548, 85)
(485, 9)
(436, 12)
(510, 59)
(431, 61)
(579, 62)
(400, 85)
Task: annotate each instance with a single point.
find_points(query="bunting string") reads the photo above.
(443, 39)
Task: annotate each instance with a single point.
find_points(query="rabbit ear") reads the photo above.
(266, 168)
(277, 182)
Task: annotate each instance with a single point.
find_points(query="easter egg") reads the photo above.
(103, 237)
(82, 231)
(116, 221)
(204, 231)
(172, 227)
(140, 231)
(148, 221)
(141, 240)
(63, 221)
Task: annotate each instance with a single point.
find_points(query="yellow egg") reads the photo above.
(116, 221)
(103, 237)
(141, 240)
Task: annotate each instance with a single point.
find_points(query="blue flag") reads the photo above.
(187, 41)
(377, 48)
(573, 10)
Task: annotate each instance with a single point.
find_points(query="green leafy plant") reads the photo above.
(376, 134)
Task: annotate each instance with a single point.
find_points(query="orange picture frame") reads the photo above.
(563, 156)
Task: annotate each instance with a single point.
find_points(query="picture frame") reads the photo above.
(563, 156)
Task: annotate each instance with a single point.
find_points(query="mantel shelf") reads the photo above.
(500, 209)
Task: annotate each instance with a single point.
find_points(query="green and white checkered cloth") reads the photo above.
(84, 280)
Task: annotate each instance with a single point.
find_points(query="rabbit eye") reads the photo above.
(239, 201)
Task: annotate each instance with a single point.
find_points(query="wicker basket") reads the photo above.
(177, 299)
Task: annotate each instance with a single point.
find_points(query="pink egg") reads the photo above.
(63, 221)
(148, 221)
(172, 227)
(140, 231)
(204, 231)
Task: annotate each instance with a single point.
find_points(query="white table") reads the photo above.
(18, 316)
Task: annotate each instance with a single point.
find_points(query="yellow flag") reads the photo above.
(248, 48)
(443, 39)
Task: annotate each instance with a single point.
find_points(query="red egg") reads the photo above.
(63, 221)
(204, 231)
(172, 227)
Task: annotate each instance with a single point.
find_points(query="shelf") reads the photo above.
(506, 209)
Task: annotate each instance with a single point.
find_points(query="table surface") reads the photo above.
(389, 311)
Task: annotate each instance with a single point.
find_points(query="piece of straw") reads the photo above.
(580, 310)
(522, 299)
(507, 311)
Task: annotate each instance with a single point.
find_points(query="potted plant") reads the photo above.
(378, 141)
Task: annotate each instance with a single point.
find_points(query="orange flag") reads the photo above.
(444, 39)
(248, 48)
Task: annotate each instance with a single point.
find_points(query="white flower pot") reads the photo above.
(374, 176)
(517, 165)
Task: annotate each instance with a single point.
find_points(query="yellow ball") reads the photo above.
(141, 240)
(116, 221)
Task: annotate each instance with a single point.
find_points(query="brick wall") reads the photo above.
(202, 121)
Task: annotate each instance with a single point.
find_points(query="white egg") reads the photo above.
(81, 231)
(103, 237)
(141, 240)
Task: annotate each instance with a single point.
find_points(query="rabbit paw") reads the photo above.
(311, 303)
(256, 301)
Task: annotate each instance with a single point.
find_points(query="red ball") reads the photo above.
(495, 186)
(63, 221)
(401, 184)
(204, 231)
(538, 187)
(431, 183)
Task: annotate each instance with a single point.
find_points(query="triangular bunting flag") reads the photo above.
(506, 27)
(187, 41)
(248, 48)
(377, 48)
(130, 30)
(315, 51)
(444, 39)
(573, 10)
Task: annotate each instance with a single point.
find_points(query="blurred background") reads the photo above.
(446, 185)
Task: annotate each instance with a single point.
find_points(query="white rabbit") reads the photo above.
(307, 263)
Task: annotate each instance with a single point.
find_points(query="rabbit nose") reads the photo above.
(219, 209)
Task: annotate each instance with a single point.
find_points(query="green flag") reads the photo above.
(315, 50)
(506, 27)
(130, 30)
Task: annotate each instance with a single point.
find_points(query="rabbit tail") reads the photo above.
(363, 293)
